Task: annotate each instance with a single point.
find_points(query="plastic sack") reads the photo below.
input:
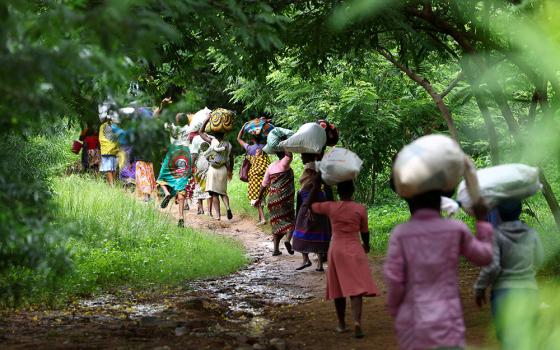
(198, 119)
(221, 120)
(196, 144)
(310, 138)
(274, 138)
(433, 162)
(339, 165)
(500, 182)
(449, 206)
(76, 147)
(259, 127)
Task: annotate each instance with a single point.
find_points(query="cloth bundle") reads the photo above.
(310, 138)
(274, 138)
(433, 162)
(339, 165)
(258, 127)
(221, 120)
(500, 182)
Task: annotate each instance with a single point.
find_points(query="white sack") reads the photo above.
(310, 138)
(449, 206)
(500, 182)
(198, 119)
(433, 162)
(196, 144)
(339, 165)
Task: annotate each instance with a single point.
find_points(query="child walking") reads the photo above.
(421, 273)
(348, 274)
(511, 275)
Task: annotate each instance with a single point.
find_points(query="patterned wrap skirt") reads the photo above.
(312, 233)
(176, 169)
(259, 164)
(281, 202)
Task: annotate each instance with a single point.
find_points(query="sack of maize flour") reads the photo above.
(310, 138)
(275, 136)
(433, 162)
(221, 120)
(339, 165)
(198, 119)
(501, 182)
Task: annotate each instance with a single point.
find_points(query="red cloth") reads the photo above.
(348, 273)
(91, 142)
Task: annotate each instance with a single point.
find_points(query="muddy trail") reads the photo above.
(267, 305)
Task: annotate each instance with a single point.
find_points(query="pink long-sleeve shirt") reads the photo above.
(421, 275)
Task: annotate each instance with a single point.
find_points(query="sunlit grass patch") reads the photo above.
(121, 241)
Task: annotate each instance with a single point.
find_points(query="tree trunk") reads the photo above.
(461, 38)
(490, 128)
(550, 197)
(426, 85)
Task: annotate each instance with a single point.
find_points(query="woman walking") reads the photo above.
(259, 163)
(312, 233)
(176, 170)
(220, 171)
(421, 273)
(200, 169)
(279, 179)
(348, 274)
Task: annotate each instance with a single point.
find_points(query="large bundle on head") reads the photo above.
(274, 138)
(507, 181)
(339, 165)
(331, 131)
(198, 119)
(433, 162)
(258, 128)
(221, 121)
(310, 138)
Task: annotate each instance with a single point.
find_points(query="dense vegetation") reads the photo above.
(385, 71)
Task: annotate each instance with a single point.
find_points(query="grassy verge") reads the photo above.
(122, 242)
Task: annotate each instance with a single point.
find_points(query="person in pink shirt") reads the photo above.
(279, 179)
(421, 273)
(348, 274)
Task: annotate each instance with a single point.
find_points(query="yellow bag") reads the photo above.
(221, 120)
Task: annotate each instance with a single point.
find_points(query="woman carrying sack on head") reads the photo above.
(259, 163)
(220, 158)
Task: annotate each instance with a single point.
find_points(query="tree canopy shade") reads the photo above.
(385, 71)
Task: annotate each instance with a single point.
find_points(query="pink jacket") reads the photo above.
(422, 281)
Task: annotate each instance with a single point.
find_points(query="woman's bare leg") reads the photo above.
(216, 203)
(340, 306)
(305, 263)
(261, 214)
(356, 303)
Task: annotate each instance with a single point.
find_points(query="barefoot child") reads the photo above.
(348, 274)
(517, 254)
(421, 273)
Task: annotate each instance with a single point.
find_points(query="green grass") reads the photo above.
(123, 242)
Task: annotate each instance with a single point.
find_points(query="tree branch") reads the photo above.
(453, 84)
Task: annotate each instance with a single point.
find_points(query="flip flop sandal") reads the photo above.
(165, 201)
(276, 253)
(341, 329)
(304, 266)
(320, 270)
(358, 333)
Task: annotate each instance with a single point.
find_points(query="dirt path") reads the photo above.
(268, 305)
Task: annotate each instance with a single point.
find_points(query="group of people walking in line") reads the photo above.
(422, 262)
